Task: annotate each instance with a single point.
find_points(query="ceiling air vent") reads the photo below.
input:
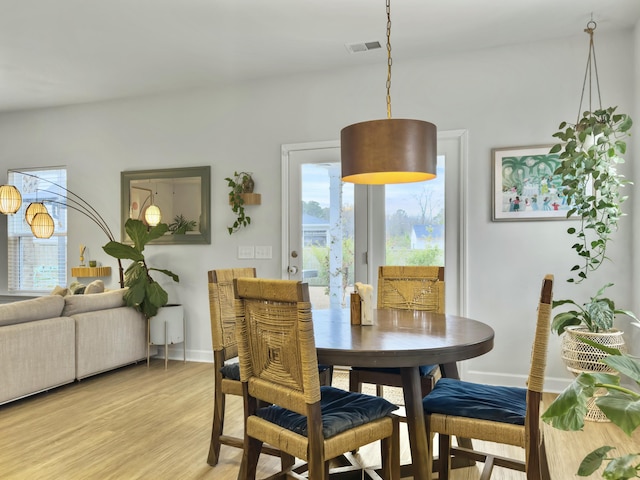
(362, 47)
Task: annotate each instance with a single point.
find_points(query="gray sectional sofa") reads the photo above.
(52, 340)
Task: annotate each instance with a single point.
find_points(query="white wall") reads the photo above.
(511, 96)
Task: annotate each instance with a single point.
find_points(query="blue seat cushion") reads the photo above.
(341, 410)
(231, 371)
(486, 402)
(425, 370)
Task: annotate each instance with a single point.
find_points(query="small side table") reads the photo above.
(166, 328)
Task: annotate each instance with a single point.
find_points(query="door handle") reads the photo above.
(292, 269)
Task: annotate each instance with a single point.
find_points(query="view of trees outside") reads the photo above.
(414, 224)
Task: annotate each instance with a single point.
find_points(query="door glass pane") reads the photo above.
(327, 235)
(414, 221)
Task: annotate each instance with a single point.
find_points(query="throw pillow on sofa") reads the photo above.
(97, 286)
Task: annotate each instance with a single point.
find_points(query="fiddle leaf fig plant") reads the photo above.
(621, 405)
(241, 182)
(144, 293)
(590, 153)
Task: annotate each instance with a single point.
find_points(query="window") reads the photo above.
(35, 264)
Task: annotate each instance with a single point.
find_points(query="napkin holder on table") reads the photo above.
(365, 292)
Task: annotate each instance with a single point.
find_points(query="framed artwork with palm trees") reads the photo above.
(524, 184)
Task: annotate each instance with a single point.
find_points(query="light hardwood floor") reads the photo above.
(136, 423)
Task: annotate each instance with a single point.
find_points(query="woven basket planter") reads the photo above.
(580, 357)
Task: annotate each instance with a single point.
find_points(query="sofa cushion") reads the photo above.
(23, 311)
(74, 304)
(97, 286)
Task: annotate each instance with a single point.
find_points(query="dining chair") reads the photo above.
(222, 308)
(406, 288)
(506, 415)
(279, 368)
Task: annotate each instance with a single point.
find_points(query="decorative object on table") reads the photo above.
(365, 292)
(181, 225)
(83, 249)
(525, 186)
(390, 150)
(241, 194)
(186, 191)
(93, 263)
(620, 405)
(42, 225)
(144, 293)
(355, 307)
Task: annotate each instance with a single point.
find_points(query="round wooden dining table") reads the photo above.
(404, 339)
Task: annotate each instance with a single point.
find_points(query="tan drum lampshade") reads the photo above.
(391, 150)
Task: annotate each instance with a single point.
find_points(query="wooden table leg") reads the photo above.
(415, 422)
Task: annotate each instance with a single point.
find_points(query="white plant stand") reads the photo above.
(167, 328)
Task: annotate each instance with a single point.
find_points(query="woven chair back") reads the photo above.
(276, 344)
(411, 288)
(223, 308)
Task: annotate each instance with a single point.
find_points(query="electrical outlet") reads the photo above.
(263, 251)
(246, 251)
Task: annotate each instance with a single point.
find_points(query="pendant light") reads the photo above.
(10, 199)
(32, 210)
(152, 215)
(42, 225)
(389, 150)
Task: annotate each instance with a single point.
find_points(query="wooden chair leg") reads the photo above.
(216, 428)
(250, 457)
(390, 453)
(444, 456)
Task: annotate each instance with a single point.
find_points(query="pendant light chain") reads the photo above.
(389, 61)
(589, 71)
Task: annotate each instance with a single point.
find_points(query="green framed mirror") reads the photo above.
(183, 196)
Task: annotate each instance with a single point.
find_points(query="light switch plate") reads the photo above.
(263, 251)
(246, 251)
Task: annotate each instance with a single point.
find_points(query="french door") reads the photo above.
(335, 233)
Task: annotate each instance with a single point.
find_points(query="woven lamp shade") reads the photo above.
(33, 209)
(42, 225)
(152, 215)
(10, 199)
(389, 151)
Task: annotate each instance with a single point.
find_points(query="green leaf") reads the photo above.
(624, 364)
(168, 273)
(622, 409)
(621, 468)
(568, 410)
(592, 462)
(122, 251)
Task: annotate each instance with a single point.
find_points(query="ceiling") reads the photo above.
(73, 51)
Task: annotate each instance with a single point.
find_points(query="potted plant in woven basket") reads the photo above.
(592, 321)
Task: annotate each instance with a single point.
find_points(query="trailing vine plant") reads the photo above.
(241, 182)
(590, 153)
